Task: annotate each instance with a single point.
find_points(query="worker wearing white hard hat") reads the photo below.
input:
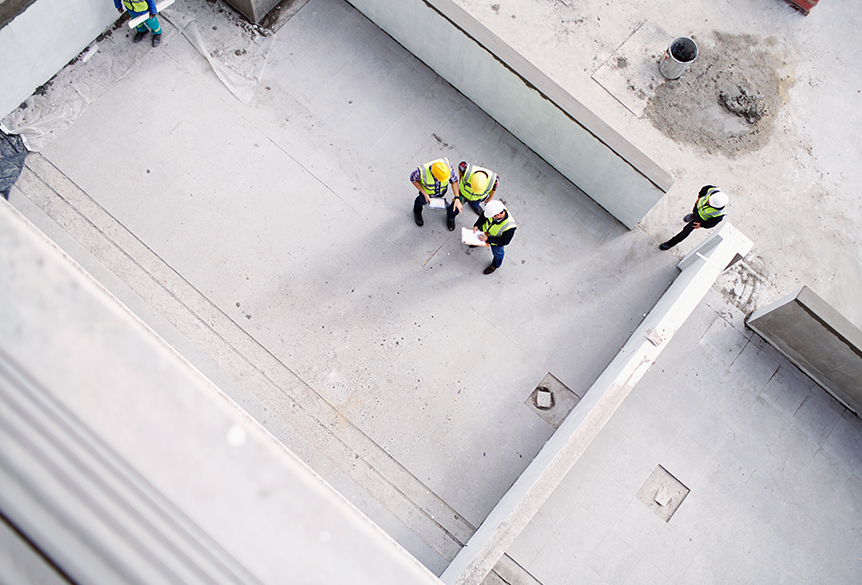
(476, 185)
(497, 228)
(432, 181)
(709, 210)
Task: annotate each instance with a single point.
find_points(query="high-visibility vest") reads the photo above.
(429, 182)
(495, 229)
(136, 5)
(705, 210)
(467, 189)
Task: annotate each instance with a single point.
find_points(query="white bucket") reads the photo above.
(679, 55)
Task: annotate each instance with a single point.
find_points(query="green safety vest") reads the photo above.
(467, 190)
(495, 229)
(136, 5)
(705, 210)
(429, 182)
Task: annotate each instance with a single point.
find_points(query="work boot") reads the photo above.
(157, 39)
(665, 246)
(450, 223)
(139, 36)
(688, 218)
(490, 269)
(417, 215)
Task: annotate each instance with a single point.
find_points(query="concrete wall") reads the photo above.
(124, 464)
(41, 40)
(700, 269)
(526, 102)
(818, 339)
(254, 10)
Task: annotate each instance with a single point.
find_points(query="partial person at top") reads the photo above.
(136, 8)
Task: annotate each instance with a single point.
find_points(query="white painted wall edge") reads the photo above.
(700, 269)
(40, 41)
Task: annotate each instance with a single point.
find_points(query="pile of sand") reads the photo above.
(726, 101)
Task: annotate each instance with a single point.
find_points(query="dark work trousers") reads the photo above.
(452, 211)
(686, 230)
(419, 202)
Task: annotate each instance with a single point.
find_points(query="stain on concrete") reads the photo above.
(727, 100)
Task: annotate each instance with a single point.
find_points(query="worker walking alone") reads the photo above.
(136, 8)
(475, 186)
(707, 213)
(432, 180)
(497, 228)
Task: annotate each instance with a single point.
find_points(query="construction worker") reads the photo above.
(707, 213)
(475, 186)
(432, 180)
(136, 8)
(497, 229)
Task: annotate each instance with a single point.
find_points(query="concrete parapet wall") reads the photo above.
(818, 339)
(700, 268)
(526, 102)
(41, 40)
(588, 152)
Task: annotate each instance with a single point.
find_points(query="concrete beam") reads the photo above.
(818, 339)
(700, 268)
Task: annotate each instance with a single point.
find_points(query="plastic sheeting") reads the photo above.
(12, 153)
(236, 50)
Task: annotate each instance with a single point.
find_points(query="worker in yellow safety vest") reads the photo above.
(476, 185)
(707, 213)
(497, 228)
(432, 180)
(136, 8)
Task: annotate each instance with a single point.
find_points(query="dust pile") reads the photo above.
(727, 100)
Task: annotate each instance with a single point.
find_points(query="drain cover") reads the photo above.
(662, 493)
(552, 400)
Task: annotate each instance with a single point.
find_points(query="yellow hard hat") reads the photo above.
(479, 181)
(440, 172)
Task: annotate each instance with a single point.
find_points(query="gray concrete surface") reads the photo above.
(772, 461)
(272, 244)
(818, 339)
(278, 239)
(791, 195)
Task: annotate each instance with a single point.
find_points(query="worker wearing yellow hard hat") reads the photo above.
(432, 180)
(476, 185)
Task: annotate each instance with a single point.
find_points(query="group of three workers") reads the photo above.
(473, 185)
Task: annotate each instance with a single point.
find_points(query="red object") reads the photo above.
(804, 5)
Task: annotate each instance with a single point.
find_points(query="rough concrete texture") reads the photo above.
(791, 176)
(772, 462)
(811, 334)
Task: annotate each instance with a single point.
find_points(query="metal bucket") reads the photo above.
(679, 55)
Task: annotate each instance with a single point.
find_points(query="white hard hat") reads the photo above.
(494, 207)
(718, 200)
